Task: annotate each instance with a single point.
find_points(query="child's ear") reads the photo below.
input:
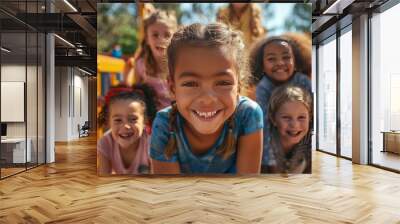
(171, 86)
(272, 121)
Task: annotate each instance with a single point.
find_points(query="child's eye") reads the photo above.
(302, 118)
(224, 83)
(167, 35)
(155, 35)
(117, 120)
(190, 84)
(132, 120)
(287, 58)
(271, 59)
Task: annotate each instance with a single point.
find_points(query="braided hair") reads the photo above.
(210, 36)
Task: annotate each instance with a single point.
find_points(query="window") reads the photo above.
(385, 85)
(327, 96)
(346, 93)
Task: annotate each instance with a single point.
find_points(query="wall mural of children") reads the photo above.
(204, 79)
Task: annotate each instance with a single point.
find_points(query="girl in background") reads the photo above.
(290, 113)
(209, 128)
(273, 64)
(149, 62)
(124, 148)
(245, 17)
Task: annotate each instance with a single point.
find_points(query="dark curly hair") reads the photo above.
(141, 93)
(257, 56)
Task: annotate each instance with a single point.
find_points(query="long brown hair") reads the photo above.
(145, 52)
(214, 35)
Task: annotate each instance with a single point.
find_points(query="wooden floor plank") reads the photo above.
(69, 191)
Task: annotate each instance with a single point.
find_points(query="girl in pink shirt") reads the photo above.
(149, 62)
(124, 147)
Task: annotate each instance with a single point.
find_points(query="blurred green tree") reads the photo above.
(202, 12)
(116, 24)
(300, 21)
(191, 12)
(176, 7)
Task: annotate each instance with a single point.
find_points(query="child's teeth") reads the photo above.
(206, 114)
(295, 133)
(125, 135)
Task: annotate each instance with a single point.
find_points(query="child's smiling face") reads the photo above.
(126, 122)
(205, 87)
(292, 121)
(158, 36)
(278, 61)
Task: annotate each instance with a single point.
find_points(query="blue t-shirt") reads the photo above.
(248, 119)
(263, 93)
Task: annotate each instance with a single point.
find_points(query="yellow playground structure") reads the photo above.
(109, 73)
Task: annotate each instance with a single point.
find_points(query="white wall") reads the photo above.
(71, 94)
(61, 103)
(14, 73)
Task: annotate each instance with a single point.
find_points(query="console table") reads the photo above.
(391, 141)
(13, 150)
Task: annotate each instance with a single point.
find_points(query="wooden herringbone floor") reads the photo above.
(70, 192)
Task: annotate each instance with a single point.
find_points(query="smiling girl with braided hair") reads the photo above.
(209, 128)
